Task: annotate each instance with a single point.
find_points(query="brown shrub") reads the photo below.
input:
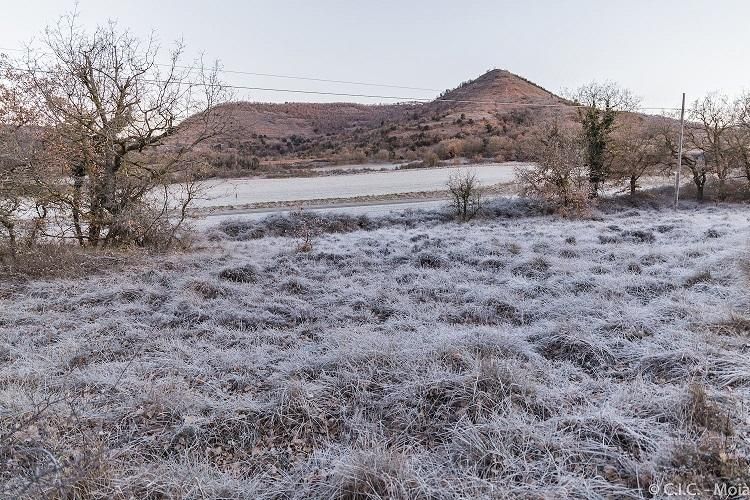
(558, 177)
(430, 159)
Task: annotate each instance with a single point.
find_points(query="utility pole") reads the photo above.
(679, 156)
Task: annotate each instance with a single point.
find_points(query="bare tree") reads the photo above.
(636, 150)
(466, 194)
(109, 109)
(739, 135)
(600, 105)
(668, 135)
(558, 175)
(714, 117)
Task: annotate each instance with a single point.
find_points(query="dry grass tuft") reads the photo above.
(703, 413)
(51, 261)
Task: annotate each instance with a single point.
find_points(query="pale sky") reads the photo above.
(658, 49)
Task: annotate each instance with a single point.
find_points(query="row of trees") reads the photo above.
(613, 144)
(86, 137)
(720, 133)
(87, 146)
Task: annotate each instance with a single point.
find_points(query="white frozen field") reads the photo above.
(516, 356)
(223, 200)
(238, 192)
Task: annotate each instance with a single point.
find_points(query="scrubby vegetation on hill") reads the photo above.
(410, 357)
(462, 122)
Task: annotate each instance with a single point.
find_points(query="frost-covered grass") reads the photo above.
(509, 357)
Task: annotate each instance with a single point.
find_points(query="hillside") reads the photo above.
(495, 86)
(472, 120)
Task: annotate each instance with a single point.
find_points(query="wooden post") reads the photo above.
(679, 156)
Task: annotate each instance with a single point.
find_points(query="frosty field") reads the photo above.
(403, 356)
(234, 192)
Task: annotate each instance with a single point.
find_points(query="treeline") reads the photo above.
(611, 144)
(87, 152)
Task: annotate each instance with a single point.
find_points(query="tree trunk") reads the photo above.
(633, 184)
(700, 186)
(10, 228)
(76, 206)
(38, 224)
(699, 179)
(96, 212)
(109, 191)
(722, 187)
(594, 181)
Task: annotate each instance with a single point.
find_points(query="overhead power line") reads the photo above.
(400, 99)
(290, 77)
(406, 99)
(311, 79)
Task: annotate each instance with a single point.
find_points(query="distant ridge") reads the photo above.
(492, 116)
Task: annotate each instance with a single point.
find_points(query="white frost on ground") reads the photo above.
(234, 192)
(533, 357)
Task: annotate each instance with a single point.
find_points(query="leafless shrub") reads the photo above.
(558, 177)
(49, 449)
(309, 228)
(713, 118)
(637, 149)
(466, 194)
(16, 174)
(430, 159)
